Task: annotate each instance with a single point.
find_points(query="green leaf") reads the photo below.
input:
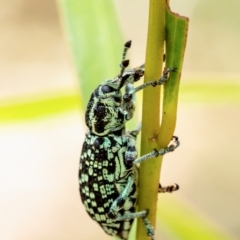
(95, 41)
(37, 106)
(176, 37)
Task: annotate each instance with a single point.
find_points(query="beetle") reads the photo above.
(108, 169)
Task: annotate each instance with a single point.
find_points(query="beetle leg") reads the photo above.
(156, 152)
(168, 189)
(161, 81)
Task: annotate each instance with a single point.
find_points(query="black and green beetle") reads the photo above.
(108, 173)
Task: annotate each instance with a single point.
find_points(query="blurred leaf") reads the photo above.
(180, 221)
(95, 40)
(32, 107)
(210, 91)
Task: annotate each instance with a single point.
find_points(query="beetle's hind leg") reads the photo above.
(168, 189)
(142, 214)
(149, 228)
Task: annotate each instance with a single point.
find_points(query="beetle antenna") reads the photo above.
(127, 45)
(124, 62)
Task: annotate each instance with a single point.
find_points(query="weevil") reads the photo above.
(108, 172)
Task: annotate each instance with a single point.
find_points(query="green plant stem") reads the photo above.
(176, 28)
(149, 172)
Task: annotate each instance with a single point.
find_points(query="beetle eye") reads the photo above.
(107, 89)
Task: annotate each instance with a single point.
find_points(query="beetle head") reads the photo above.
(105, 112)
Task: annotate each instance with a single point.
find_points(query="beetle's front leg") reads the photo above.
(161, 81)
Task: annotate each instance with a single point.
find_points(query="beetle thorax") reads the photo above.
(104, 113)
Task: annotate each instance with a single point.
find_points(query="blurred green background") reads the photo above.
(42, 127)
